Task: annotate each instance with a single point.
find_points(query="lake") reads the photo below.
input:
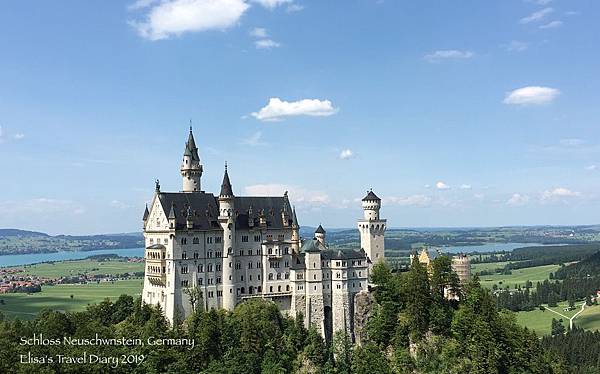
(33, 258)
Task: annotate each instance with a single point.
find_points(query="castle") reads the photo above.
(226, 249)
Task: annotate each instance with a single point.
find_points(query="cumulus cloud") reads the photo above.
(19, 136)
(552, 25)
(537, 16)
(117, 204)
(278, 109)
(571, 142)
(258, 32)
(451, 54)
(297, 195)
(518, 200)
(465, 186)
(346, 154)
(559, 193)
(591, 167)
(531, 95)
(272, 4)
(442, 186)
(254, 139)
(175, 17)
(266, 44)
(516, 46)
(141, 4)
(414, 200)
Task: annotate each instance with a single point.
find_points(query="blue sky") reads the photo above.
(456, 113)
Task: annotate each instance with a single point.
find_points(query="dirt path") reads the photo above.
(576, 314)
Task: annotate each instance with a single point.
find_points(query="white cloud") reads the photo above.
(258, 32)
(591, 167)
(559, 193)
(465, 186)
(175, 17)
(414, 200)
(119, 204)
(442, 186)
(572, 142)
(297, 195)
(272, 4)
(278, 109)
(552, 25)
(294, 8)
(537, 16)
(518, 200)
(451, 54)
(541, 2)
(41, 206)
(141, 4)
(266, 44)
(516, 46)
(531, 95)
(19, 136)
(254, 139)
(346, 154)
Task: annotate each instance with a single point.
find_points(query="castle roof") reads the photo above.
(343, 254)
(204, 209)
(320, 230)
(371, 196)
(226, 189)
(190, 147)
(312, 246)
(146, 213)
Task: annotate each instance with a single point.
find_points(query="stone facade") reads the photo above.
(226, 249)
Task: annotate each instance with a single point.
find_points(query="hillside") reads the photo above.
(14, 241)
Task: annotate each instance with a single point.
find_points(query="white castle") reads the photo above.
(231, 248)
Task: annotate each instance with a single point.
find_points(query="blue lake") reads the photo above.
(33, 258)
(488, 247)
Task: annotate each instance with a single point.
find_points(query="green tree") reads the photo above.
(369, 359)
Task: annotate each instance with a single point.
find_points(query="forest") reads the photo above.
(413, 328)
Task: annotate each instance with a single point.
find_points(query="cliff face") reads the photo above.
(363, 307)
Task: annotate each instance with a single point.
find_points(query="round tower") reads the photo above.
(371, 205)
(227, 222)
(320, 234)
(191, 168)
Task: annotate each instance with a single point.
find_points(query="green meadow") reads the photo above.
(77, 267)
(519, 276)
(26, 306)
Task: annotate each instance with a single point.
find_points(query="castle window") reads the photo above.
(250, 290)
(278, 276)
(249, 252)
(249, 265)
(270, 288)
(241, 252)
(270, 276)
(270, 251)
(238, 265)
(360, 273)
(287, 275)
(218, 280)
(259, 265)
(163, 269)
(218, 266)
(210, 267)
(269, 237)
(184, 255)
(195, 254)
(258, 276)
(151, 241)
(200, 268)
(209, 240)
(280, 237)
(257, 238)
(244, 238)
(184, 283)
(243, 290)
(259, 289)
(184, 269)
(196, 241)
(338, 275)
(314, 276)
(286, 251)
(278, 288)
(218, 254)
(209, 254)
(166, 241)
(287, 264)
(218, 239)
(241, 278)
(199, 281)
(315, 288)
(250, 277)
(287, 288)
(219, 293)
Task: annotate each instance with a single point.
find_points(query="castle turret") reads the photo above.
(320, 234)
(372, 228)
(191, 168)
(227, 222)
(295, 233)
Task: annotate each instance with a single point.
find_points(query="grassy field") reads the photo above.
(58, 297)
(589, 319)
(519, 276)
(488, 266)
(71, 268)
(539, 320)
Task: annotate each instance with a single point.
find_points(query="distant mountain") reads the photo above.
(14, 241)
(17, 232)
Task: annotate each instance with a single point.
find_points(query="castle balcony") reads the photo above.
(275, 256)
(157, 279)
(267, 295)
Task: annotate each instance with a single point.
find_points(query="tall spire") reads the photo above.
(226, 189)
(146, 214)
(190, 146)
(191, 168)
(294, 218)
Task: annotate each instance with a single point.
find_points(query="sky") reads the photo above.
(455, 113)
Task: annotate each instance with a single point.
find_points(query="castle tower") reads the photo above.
(227, 222)
(191, 168)
(295, 233)
(372, 228)
(320, 234)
